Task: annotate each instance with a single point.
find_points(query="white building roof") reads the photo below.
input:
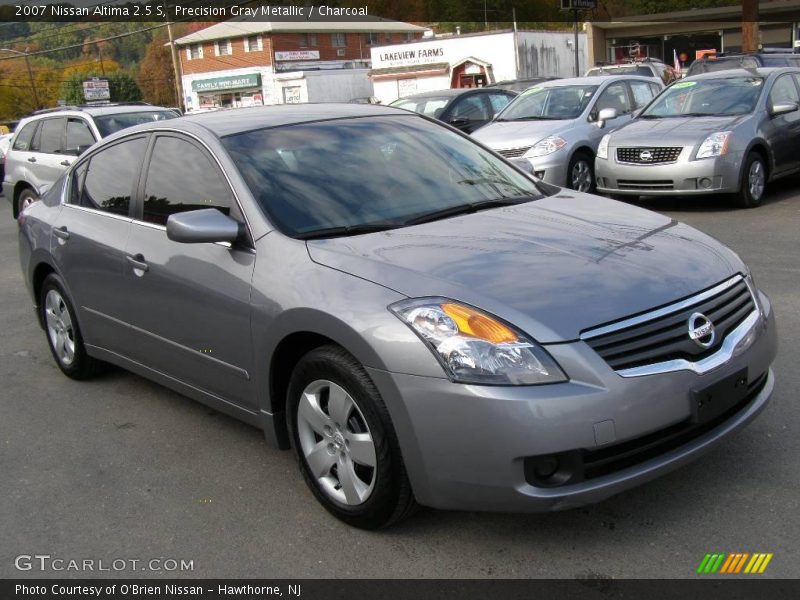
(244, 27)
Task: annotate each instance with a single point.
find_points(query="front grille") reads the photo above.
(666, 336)
(648, 156)
(654, 184)
(582, 465)
(514, 152)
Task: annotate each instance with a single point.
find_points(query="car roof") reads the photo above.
(92, 111)
(729, 73)
(593, 80)
(451, 92)
(239, 120)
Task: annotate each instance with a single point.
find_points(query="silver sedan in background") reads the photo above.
(557, 125)
(728, 132)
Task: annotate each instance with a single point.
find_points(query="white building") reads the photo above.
(473, 60)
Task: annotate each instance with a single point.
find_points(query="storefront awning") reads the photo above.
(410, 70)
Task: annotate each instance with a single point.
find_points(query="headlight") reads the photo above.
(548, 145)
(474, 347)
(714, 145)
(602, 148)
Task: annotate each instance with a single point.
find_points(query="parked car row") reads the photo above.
(48, 142)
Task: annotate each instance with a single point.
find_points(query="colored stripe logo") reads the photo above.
(734, 563)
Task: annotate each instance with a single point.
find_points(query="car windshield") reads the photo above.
(707, 97)
(381, 172)
(430, 106)
(545, 103)
(108, 124)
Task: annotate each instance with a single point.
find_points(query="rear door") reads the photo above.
(48, 161)
(89, 240)
(189, 303)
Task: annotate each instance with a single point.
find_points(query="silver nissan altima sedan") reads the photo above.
(420, 320)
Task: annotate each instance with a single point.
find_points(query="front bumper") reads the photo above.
(465, 447)
(719, 175)
(551, 168)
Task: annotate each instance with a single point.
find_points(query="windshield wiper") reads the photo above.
(345, 230)
(491, 180)
(464, 209)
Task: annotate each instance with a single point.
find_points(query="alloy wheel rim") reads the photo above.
(581, 177)
(59, 327)
(336, 442)
(756, 179)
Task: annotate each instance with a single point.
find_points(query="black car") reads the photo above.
(722, 61)
(465, 108)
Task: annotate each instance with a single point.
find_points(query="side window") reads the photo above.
(48, 138)
(654, 89)
(111, 176)
(24, 138)
(499, 102)
(642, 93)
(614, 96)
(784, 90)
(471, 108)
(79, 136)
(182, 177)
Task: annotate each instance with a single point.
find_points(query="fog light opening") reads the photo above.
(706, 183)
(546, 467)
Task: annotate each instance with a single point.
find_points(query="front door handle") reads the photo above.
(61, 233)
(31, 159)
(138, 264)
(65, 163)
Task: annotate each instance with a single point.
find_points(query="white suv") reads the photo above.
(48, 142)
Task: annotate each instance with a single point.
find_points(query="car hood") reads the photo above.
(553, 267)
(500, 135)
(672, 131)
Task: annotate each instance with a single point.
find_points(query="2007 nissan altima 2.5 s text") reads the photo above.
(419, 319)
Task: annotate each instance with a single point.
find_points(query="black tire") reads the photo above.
(81, 366)
(391, 498)
(26, 196)
(585, 161)
(746, 197)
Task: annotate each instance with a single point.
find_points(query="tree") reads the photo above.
(156, 76)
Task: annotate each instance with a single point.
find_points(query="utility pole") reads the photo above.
(575, 42)
(175, 67)
(749, 25)
(30, 74)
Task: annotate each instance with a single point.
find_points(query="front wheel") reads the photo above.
(344, 441)
(754, 181)
(580, 173)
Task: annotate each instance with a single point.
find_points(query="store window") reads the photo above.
(291, 94)
(372, 39)
(338, 40)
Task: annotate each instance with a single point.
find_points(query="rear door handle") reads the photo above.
(61, 232)
(31, 159)
(138, 263)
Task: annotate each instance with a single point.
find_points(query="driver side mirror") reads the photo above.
(604, 115)
(783, 108)
(202, 226)
(458, 121)
(77, 151)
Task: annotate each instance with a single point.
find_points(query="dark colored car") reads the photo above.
(465, 109)
(724, 61)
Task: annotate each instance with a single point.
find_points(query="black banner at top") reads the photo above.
(524, 12)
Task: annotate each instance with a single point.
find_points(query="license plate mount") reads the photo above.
(711, 401)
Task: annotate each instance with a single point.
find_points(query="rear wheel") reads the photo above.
(754, 181)
(25, 199)
(344, 441)
(580, 173)
(63, 334)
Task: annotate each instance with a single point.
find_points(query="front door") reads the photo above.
(190, 303)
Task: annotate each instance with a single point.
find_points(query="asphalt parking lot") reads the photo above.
(121, 468)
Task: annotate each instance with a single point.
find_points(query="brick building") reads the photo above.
(246, 63)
